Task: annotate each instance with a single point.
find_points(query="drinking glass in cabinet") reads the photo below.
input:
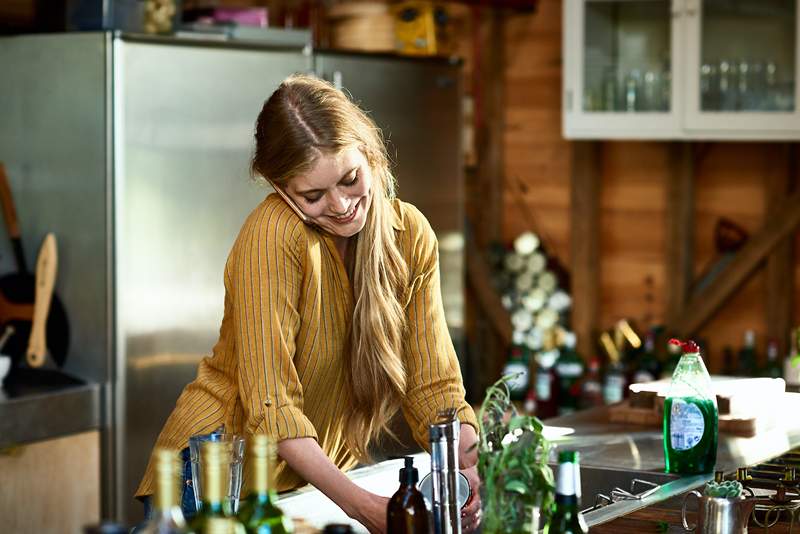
(627, 56)
(748, 55)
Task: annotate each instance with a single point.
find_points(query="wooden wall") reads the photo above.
(730, 182)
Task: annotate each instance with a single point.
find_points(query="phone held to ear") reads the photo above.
(292, 204)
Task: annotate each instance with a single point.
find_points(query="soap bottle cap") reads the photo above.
(409, 474)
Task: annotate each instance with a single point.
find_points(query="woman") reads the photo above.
(333, 318)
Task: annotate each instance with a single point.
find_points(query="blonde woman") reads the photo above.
(333, 318)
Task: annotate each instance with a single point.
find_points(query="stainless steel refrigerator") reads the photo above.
(135, 152)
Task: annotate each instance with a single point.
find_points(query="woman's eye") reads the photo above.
(353, 181)
(312, 200)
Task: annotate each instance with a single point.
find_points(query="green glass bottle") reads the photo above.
(567, 518)
(691, 418)
(214, 465)
(259, 513)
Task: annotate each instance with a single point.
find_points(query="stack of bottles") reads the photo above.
(557, 380)
(258, 513)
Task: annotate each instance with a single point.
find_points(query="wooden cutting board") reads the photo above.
(746, 405)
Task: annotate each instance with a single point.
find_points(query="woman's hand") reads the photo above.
(468, 460)
(370, 511)
(471, 512)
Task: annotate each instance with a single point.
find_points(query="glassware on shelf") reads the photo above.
(609, 89)
(633, 83)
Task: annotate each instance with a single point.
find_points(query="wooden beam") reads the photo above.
(781, 223)
(585, 243)
(479, 278)
(679, 232)
(780, 262)
(489, 95)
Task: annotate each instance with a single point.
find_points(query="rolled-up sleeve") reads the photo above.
(265, 279)
(432, 368)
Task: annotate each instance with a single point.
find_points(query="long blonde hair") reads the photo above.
(303, 119)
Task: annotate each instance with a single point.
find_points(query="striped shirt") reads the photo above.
(279, 367)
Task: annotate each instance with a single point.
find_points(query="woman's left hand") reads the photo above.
(471, 512)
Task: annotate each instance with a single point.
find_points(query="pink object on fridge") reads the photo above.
(255, 16)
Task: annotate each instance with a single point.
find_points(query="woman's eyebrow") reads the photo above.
(344, 177)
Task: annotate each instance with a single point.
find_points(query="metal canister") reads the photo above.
(444, 436)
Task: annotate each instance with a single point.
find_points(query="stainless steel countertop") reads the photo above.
(639, 448)
(50, 412)
(629, 447)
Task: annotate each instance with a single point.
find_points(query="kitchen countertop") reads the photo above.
(46, 404)
(603, 445)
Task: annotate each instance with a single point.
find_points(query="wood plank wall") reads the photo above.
(730, 182)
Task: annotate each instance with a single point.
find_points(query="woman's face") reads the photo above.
(336, 193)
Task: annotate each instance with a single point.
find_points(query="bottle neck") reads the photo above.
(212, 487)
(263, 474)
(568, 483)
(166, 494)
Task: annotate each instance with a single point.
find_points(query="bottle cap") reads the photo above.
(568, 456)
(690, 347)
(409, 474)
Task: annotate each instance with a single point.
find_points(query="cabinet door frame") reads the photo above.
(737, 124)
(577, 123)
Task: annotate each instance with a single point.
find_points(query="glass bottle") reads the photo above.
(791, 366)
(567, 518)
(691, 418)
(748, 359)
(214, 465)
(647, 368)
(773, 367)
(167, 516)
(592, 386)
(517, 366)
(406, 512)
(569, 370)
(258, 512)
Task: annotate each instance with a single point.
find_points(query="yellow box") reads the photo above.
(415, 28)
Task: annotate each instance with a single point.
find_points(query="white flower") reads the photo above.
(509, 438)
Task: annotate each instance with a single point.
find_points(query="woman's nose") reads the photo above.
(339, 204)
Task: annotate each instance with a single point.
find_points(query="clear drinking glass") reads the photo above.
(235, 445)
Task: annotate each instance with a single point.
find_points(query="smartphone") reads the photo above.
(292, 204)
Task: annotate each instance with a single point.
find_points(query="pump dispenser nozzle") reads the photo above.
(409, 474)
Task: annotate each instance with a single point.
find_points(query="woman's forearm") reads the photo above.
(307, 459)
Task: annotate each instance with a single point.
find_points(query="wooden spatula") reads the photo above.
(46, 266)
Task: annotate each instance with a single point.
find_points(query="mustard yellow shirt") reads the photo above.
(278, 367)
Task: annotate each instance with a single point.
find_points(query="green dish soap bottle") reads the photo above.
(691, 418)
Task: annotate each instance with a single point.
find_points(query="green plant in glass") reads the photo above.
(512, 461)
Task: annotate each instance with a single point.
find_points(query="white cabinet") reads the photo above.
(681, 69)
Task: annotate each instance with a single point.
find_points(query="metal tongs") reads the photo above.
(619, 494)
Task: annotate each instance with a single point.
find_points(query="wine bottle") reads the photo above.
(569, 370)
(407, 513)
(791, 365)
(748, 358)
(167, 516)
(214, 464)
(259, 513)
(773, 367)
(567, 518)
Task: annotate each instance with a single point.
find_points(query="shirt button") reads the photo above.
(268, 402)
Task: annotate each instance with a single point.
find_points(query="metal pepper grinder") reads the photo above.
(444, 472)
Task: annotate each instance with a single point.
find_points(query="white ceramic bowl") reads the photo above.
(5, 365)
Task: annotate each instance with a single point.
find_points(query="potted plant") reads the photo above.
(518, 484)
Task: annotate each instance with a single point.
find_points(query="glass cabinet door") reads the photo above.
(743, 64)
(626, 56)
(619, 67)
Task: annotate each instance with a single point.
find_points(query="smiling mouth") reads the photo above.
(347, 217)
